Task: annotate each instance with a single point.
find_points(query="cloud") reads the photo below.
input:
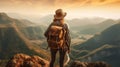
(43, 6)
(57, 3)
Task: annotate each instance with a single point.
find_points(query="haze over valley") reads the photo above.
(94, 28)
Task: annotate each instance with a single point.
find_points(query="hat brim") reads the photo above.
(60, 17)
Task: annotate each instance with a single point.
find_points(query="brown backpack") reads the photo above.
(56, 36)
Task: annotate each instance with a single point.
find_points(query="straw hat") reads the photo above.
(59, 14)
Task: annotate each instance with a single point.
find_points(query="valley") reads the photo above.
(91, 42)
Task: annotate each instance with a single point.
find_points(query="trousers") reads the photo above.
(62, 53)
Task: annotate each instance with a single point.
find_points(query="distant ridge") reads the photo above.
(13, 40)
(102, 47)
(5, 19)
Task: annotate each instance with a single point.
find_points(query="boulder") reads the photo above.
(23, 60)
(89, 64)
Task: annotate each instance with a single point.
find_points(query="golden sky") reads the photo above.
(74, 8)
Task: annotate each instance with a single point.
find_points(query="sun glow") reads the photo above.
(74, 8)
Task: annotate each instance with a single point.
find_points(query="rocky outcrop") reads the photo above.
(89, 64)
(23, 60)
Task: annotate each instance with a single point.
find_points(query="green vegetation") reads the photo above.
(13, 39)
(102, 47)
(11, 44)
(96, 28)
(23, 36)
(33, 32)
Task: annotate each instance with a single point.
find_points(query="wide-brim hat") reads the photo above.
(59, 14)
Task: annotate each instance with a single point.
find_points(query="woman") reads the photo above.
(59, 20)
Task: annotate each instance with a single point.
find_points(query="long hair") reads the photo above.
(61, 20)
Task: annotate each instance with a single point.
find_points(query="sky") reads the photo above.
(73, 8)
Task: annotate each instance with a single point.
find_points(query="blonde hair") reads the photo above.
(61, 20)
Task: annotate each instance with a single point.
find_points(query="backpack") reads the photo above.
(56, 36)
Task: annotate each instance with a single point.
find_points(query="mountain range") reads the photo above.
(15, 36)
(104, 47)
(24, 36)
(97, 28)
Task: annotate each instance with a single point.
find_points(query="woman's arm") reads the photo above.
(67, 36)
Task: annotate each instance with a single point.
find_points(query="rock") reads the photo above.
(23, 60)
(89, 64)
